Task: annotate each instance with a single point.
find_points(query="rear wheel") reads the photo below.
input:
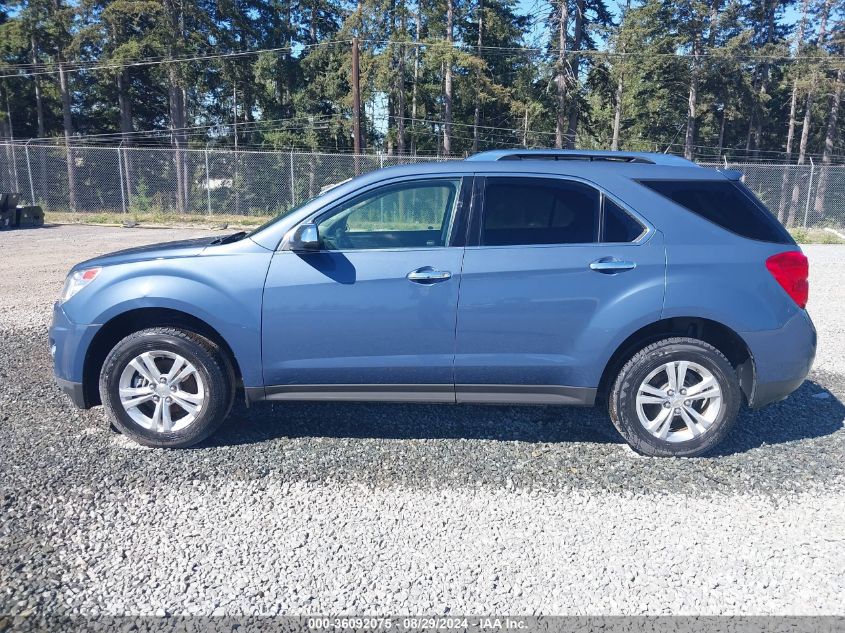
(678, 397)
(166, 387)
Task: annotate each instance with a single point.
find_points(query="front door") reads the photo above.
(553, 271)
(372, 314)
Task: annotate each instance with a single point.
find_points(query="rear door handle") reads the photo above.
(427, 275)
(610, 265)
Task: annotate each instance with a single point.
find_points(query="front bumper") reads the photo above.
(782, 358)
(69, 344)
(74, 391)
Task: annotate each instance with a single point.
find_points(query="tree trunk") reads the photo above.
(723, 118)
(416, 81)
(620, 88)
(793, 103)
(39, 113)
(525, 129)
(617, 112)
(808, 113)
(572, 125)
(126, 130)
(125, 107)
(790, 137)
(560, 75)
(476, 120)
(356, 105)
(392, 53)
(39, 98)
(177, 104)
(176, 96)
(755, 124)
(401, 140)
(698, 49)
(692, 101)
(447, 81)
(793, 112)
(802, 155)
(7, 135)
(752, 108)
(830, 137)
(288, 61)
(67, 121)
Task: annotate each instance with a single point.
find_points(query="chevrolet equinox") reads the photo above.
(643, 282)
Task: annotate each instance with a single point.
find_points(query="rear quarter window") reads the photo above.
(729, 204)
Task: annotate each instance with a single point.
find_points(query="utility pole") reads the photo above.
(356, 105)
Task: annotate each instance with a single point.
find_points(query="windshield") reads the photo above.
(284, 214)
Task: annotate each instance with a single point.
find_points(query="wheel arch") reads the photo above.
(130, 321)
(720, 336)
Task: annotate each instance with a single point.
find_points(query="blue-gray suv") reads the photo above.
(643, 282)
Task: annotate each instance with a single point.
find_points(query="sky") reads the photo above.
(540, 7)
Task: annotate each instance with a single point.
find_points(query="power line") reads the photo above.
(245, 124)
(34, 70)
(155, 61)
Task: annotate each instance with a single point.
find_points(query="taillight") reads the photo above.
(791, 271)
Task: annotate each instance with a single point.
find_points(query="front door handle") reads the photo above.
(610, 265)
(427, 275)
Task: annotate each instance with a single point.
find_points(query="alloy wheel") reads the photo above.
(678, 401)
(162, 391)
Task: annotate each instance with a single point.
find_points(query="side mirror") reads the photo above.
(306, 237)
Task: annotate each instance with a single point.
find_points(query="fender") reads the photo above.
(234, 311)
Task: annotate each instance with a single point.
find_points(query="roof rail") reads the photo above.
(647, 158)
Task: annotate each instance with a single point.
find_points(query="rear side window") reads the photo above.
(525, 211)
(729, 204)
(617, 225)
(521, 211)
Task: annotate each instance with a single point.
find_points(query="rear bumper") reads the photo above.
(782, 359)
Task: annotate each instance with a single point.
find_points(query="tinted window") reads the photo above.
(729, 204)
(618, 226)
(538, 211)
(408, 215)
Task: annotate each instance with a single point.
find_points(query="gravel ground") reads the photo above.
(391, 509)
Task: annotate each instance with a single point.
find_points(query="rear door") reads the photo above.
(553, 271)
(372, 314)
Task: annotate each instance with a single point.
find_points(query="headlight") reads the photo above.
(77, 280)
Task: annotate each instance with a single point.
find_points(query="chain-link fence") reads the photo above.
(166, 181)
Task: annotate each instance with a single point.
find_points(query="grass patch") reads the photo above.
(152, 218)
(815, 236)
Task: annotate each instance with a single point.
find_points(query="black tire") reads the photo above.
(623, 408)
(200, 352)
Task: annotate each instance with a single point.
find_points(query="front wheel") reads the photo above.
(166, 387)
(678, 397)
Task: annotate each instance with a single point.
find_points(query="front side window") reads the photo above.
(415, 214)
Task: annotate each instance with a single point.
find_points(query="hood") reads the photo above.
(164, 250)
